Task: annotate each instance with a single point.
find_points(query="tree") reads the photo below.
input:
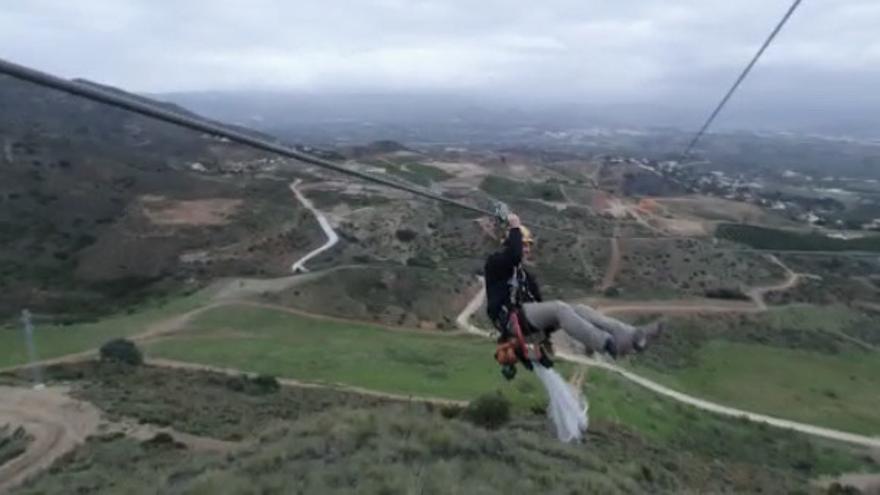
(122, 351)
(489, 411)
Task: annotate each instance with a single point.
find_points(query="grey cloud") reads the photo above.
(597, 51)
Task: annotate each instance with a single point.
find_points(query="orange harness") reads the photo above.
(517, 348)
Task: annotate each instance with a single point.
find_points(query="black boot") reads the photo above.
(646, 333)
(611, 348)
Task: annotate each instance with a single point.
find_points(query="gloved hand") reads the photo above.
(505, 353)
(513, 221)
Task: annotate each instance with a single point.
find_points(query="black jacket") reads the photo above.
(499, 270)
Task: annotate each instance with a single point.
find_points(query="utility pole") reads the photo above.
(31, 349)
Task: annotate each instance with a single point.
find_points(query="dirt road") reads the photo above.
(756, 303)
(290, 382)
(332, 238)
(852, 438)
(463, 318)
(59, 423)
(56, 422)
(791, 279)
(613, 262)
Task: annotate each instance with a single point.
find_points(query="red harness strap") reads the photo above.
(518, 333)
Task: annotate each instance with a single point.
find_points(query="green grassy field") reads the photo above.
(417, 173)
(283, 344)
(635, 434)
(507, 188)
(815, 364)
(663, 421)
(461, 367)
(58, 340)
(833, 390)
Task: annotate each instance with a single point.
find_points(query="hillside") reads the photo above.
(300, 439)
(104, 212)
(109, 208)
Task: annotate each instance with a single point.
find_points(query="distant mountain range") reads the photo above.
(274, 111)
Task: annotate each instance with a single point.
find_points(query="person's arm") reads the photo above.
(513, 246)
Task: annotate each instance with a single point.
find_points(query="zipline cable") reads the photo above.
(146, 108)
(127, 103)
(741, 77)
(124, 102)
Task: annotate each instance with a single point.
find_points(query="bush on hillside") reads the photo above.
(777, 239)
(451, 411)
(258, 385)
(12, 443)
(405, 235)
(489, 411)
(122, 351)
(726, 293)
(838, 489)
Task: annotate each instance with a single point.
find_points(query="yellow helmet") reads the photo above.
(527, 237)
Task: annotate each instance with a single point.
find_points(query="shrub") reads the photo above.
(489, 411)
(258, 385)
(838, 489)
(163, 440)
(12, 444)
(726, 293)
(776, 239)
(122, 351)
(422, 261)
(405, 235)
(451, 411)
(612, 292)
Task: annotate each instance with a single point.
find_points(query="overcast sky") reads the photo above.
(585, 50)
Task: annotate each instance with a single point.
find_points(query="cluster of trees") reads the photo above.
(776, 239)
(505, 188)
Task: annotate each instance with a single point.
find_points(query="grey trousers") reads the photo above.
(583, 323)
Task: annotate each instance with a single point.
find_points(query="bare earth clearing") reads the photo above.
(215, 211)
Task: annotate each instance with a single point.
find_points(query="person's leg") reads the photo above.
(628, 337)
(553, 315)
(624, 334)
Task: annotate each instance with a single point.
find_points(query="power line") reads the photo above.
(153, 111)
(742, 76)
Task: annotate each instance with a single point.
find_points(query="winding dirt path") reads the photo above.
(791, 279)
(756, 303)
(157, 330)
(56, 422)
(463, 320)
(818, 431)
(613, 262)
(145, 432)
(851, 438)
(172, 326)
(290, 382)
(59, 423)
(332, 237)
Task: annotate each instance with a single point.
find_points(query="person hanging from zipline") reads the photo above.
(525, 321)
